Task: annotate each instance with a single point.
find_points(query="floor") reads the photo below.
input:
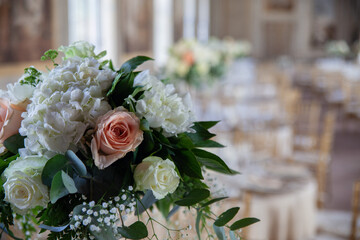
(345, 166)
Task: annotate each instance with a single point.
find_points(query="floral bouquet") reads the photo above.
(195, 63)
(337, 48)
(230, 49)
(86, 145)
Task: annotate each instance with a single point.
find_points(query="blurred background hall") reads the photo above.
(283, 76)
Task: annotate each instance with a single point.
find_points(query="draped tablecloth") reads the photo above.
(284, 216)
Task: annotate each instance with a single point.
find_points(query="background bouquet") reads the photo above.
(201, 64)
(337, 48)
(86, 145)
(194, 62)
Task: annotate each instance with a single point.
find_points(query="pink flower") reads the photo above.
(10, 119)
(118, 132)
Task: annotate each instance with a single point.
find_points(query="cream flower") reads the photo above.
(157, 175)
(23, 187)
(162, 107)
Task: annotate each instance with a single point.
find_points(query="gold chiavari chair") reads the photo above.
(318, 160)
(306, 126)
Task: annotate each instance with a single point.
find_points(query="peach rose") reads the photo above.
(10, 118)
(117, 133)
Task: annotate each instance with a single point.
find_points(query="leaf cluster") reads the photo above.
(32, 78)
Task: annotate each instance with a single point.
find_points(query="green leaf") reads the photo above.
(136, 230)
(220, 232)
(209, 144)
(133, 63)
(164, 206)
(226, 216)
(144, 125)
(213, 201)
(195, 196)
(52, 167)
(243, 223)
(183, 141)
(76, 162)
(207, 124)
(212, 161)
(68, 182)
(197, 224)
(121, 88)
(201, 134)
(187, 164)
(14, 142)
(4, 163)
(58, 189)
(114, 83)
(100, 55)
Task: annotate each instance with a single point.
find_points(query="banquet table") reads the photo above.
(284, 198)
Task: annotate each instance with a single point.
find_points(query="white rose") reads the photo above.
(24, 189)
(157, 175)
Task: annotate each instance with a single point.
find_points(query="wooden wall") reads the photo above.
(25, 29)
(136, 25)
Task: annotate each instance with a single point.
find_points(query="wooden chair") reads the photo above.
(318, 159)
(306, 125)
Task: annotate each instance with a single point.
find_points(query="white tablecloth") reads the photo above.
(285, 216)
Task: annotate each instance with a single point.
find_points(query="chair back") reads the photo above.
(325, 156)
(355, 210)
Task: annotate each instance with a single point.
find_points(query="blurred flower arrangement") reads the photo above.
(230, 49)
(86, 145)
(194, 62)
(201, 64)
(337, 48)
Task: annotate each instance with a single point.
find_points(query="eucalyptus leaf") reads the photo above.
(243, 223)
(226, 216)
(57, 190)
(76, 162)
(54, 229)
(53, 166)
(106, 233)
(14, 142)
(173, 211)
(220, 232)
(195, 196)
(232, 235)
(197, 224)
(68, 182)
(147, 201)
(137, 230)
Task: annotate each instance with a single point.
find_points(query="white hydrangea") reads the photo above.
(68, 101)
(162, 107)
